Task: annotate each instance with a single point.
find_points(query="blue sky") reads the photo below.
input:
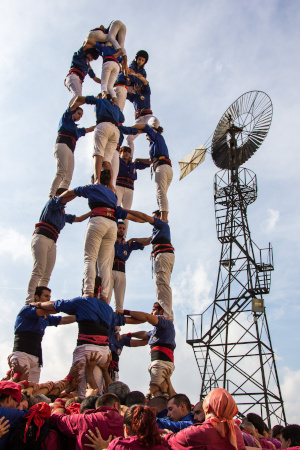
(203, 55)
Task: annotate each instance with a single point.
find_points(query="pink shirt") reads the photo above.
(132, 443)
(203, 437)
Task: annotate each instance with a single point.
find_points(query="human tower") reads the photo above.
(110, 198)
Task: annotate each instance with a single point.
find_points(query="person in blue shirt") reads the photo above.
(80, 67)
(162, 344)
(122, 252)
(159, 157)
(43, 243)
(30, 328)
(141, 100)
(163, 254)
(139, 62)
(106, 136)
(68, 134)
(127, 175)
(10, 398)
(101, 231)
(179, 414)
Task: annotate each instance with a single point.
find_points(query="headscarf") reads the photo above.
(74, 408)
(12, 389)
(38, 413)
(224, 407)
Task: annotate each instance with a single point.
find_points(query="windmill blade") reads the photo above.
(191, 161)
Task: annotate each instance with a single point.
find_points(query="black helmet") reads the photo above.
(92, 51)
(143, 54)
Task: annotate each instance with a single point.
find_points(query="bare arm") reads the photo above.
(44, 309)
(138, 75)
(139, 215)
(78, 101)
(131, 321)
(90, 129)
(145, 317)
(140, 127)
(144, 160)
(143, 241)
(138, 342)
(67, 319)
(83, 217)
(67, 196)
(97, 80)
(134, 218)
(139, 335)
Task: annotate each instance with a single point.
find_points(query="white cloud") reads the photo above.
(291, 394)
(14, 245)
(271, 220)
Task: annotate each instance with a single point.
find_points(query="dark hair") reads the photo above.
(141, 420)
(17, 434)
(121, 222)
(73, 400)
(276, 430)
(78, 107)
(159, 402)
(107, 400)
(88, 403)
(125, 146)
(135, 398)
(39, 290)
(120, 389)
(3, 397)
(60, 191)
(257, 421)
(105, 177)
(181, 398)
(292, 432)
(93, 52)
(159, 130)
(142, 54)
(157, 213)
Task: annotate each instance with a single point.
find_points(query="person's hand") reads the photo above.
(90, 391)
(4, 426)
(91, 360)
(105, 366)
(75, 369)
(131, 71)
(96, 441)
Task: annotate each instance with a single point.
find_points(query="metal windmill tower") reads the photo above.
(231, 338)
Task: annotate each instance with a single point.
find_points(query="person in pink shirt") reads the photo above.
(218, 431)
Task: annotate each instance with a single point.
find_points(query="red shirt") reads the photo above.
(203, 437)
(132, 443)
(106, 418)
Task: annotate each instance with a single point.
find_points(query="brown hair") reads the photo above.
(141, 420)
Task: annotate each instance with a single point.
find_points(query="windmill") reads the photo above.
(231, 339)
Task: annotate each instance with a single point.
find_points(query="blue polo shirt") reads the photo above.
(157, 145)
(105, 50)
(79, 62)
(160, 230)
(67, 123)
(133, 65)
(123, 251)
(162, 333)
(117, 346)
(53, 213)
(105, 109)
(141, 100)
(91, 309)
(14, 416)
(28, 320)
(166, 423)
(126, 130)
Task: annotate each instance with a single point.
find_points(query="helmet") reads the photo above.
(153, 122)
(143, 54)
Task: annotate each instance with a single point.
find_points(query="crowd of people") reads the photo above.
(91, 407)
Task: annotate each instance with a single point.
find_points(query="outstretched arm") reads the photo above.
(83, 217)
(67, 319)
(143, 241)
(78, 101)
(67, 196)
(139, 215)
(142, 316)
(90, 129)
(44, 309)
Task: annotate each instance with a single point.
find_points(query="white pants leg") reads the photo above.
(125, 198)
(163, 178)
(106, 138)
(44, 254)
(117, 28)
(100, 237)
(157, 369)
(110, 72)
(79, 355)
(121, 93)
(96, 35)
(65, 167)
(27, 361)
(118, 285)
(115, 163)
(130, 138)
(163, 266)
(74, 84)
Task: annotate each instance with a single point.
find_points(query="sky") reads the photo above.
(203, 55)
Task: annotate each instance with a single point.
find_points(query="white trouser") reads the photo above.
(130, 138)
(121, 93)
(100, 238)
(163, 178)
(117, 28)
(157, 370)
(74, 84)
(110, 72)
(79, 354)
(125, 198)
(163, 266)
(96, 35)
(115, 164)
(106, 138)
(30, 362)
(65, 167)
(118, 285)
(43, 251)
